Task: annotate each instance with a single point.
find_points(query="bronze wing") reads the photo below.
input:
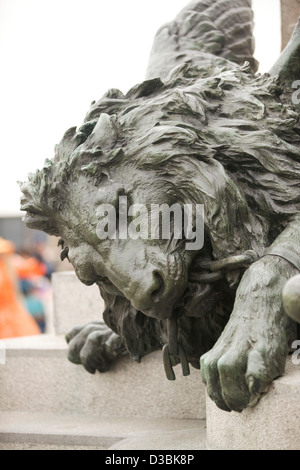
(205, 32)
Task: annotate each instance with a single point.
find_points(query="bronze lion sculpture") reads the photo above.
(203, 128)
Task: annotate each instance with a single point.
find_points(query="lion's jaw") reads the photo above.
(153, 281)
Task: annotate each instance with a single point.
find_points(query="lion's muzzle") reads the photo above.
(154, 294)
(152, 282)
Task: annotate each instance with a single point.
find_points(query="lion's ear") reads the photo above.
(105, 134)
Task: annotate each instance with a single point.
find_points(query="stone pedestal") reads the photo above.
(37, 377)
(273, 424)
(46, 402)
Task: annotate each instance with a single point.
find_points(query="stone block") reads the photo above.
(38, 431)
(273, 424)
(37, 376)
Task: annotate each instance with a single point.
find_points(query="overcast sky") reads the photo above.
(56, 56)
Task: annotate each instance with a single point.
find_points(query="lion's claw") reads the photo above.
(237, 379)
(94, 346)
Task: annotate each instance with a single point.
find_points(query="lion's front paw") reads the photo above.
(252, 349)
(94, 346)
(238, 371)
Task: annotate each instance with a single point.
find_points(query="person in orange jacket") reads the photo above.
(14, 318)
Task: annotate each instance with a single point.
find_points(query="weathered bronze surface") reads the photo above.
(203, 128)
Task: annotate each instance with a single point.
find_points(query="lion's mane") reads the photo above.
(223, 117)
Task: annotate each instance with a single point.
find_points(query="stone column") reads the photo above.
(290, 12)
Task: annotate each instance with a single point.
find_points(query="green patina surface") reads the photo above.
(203, 128)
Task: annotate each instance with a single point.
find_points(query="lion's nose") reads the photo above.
(152, 296)
(148, 291)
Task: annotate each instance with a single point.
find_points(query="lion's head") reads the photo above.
(218, 137)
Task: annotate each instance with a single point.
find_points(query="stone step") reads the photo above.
(273, 424)
(36, 376)
(46, 402)
(44, 430)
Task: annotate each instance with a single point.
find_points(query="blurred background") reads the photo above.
(56, 57)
